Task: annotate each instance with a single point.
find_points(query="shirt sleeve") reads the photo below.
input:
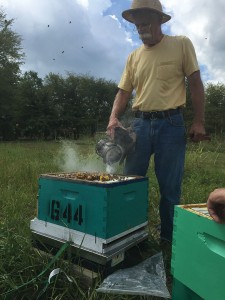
(125, 81)
(190, 63)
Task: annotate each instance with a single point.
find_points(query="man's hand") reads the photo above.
(113, 123)
(216, 205)
(197, 133)
(119, 106)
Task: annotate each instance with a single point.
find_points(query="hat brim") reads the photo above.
(129, 14)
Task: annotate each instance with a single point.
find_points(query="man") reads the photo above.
(216, 205)
(157, 71)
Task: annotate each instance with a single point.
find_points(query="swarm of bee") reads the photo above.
(102, 177)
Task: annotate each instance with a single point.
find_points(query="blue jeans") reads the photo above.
(166, 139)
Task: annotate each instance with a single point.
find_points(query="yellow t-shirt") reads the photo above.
(157, 74)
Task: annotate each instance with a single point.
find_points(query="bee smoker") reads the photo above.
(115, 150)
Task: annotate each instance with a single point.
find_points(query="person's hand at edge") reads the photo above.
(216, 205)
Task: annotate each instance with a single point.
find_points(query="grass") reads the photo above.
(21, 163)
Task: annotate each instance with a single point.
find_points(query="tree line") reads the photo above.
(65, 107)
(60, 107)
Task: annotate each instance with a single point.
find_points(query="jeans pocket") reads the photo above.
(176, 120)
(136, 123)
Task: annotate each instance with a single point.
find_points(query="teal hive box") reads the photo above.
(198, 254)
(181, 292)
(100, 209)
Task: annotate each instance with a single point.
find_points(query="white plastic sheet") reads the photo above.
(147, 278)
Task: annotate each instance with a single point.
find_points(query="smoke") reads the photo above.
(111, 169)
(71, 158)
(67, 159)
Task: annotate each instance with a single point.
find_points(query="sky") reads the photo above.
(90, 37)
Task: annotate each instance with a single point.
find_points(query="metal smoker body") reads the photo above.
(115, 150)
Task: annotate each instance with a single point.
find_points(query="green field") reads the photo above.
(21, 163)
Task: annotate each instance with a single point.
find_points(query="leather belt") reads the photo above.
(153, 115)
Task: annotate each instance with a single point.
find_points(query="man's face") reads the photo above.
(148, 25)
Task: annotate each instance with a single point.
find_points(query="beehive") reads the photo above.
(103, 209)
(198, 254)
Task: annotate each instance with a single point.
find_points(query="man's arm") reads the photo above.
(197, 131)
(119, 107)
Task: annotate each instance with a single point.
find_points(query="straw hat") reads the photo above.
(151, 5)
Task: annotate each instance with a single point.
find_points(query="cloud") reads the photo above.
(69, 36)
(84, 3)
(202, 21)
(90, 36)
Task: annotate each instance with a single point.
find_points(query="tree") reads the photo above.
(78, 102)
(215, 107)
(11, 58)
(55, 94)
(32, 107)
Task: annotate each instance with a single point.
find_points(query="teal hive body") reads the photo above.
(182, 292)
(103, 210)
(198, 256)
